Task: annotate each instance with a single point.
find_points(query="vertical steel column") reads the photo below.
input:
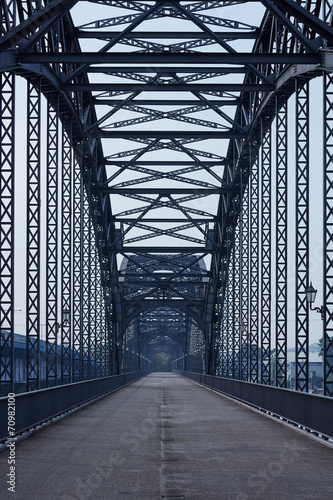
(254, 270)
(94, 273)
(100, 341)
(281, 244)
(52, 247)
(107, 346)
(236, 305)
(244, 296)
(328, 235)
(229, 321)
(266, 256)
(66, 254)
(8, 14)
(33, 235)
(224, 326)
(77, 273)
(7, 164)
(302, 234)
(85, 283)
(217, 336)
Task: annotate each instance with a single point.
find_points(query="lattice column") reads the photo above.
(85, 283)
(8, 14)
(244, 296)
(281, 244)
(66, 254)
(328, 235)
(217, 336)
(94, 273)
(266, 213)
(224, 322)
(224, 318)
(254, 271)
(100, 331)
(108, 366)
(52, 247)
(77, 274)
(236, 278)
(33, 234)
(7, 152)
(230, 320)
(302, 234)
(224, 339)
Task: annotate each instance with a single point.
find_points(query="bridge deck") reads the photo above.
(166, 437)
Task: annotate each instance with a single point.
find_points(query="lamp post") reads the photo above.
(65, 319)
(311, 293)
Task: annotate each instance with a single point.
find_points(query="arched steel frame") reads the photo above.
(84, 235)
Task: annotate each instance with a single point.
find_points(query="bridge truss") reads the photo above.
(151, 138)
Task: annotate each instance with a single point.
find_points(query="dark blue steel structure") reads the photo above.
(156, 174)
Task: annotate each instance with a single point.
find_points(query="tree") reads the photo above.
(321, 347)
(161, 362)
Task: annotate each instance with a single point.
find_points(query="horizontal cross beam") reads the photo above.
(167, 134)
(168, 87)
(164, 275)
(166, 70)
(166, 58)
(169, 35)
(168, 102)
(165, 191)
(161, 250)
(161, 221)
(160, 163)
(164, 284)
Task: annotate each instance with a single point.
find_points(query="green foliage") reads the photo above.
(321, 347)
(161, 362)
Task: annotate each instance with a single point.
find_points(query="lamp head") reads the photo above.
(65, 316)
(310, 294)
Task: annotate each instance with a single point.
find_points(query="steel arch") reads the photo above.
(43, 45)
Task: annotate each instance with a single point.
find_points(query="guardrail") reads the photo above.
(312, 411)
(33, 408)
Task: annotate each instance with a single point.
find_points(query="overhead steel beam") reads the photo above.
(167, 58)
(165, 134)
(166, 221)
(116, 163)
(167, 70)
(168, 35)
(161, 274)
(164, 191)
(170, 250)
(168, 87)
(165, 284)
(167, 102)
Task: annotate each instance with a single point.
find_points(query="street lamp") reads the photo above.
(65, 319)
(243, 327)
(311, 293)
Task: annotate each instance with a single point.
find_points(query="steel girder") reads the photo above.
(281, 244)
(44, 46)
(302, 244)
(7, 152)
(328, 291)
(52, 245)
(254, 271)
(33, 234)
(67, 253)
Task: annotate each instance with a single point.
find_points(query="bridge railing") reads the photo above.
(38, 407)
(311, 411)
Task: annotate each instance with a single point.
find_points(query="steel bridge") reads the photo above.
(166, 186)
